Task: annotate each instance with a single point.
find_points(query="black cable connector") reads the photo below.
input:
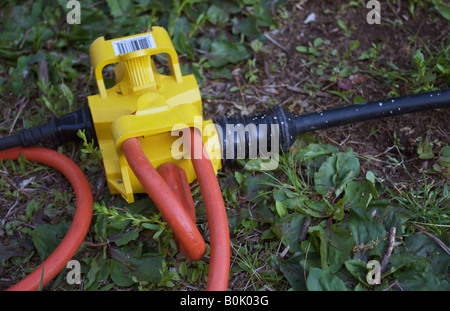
(58, 130)
(244, 137)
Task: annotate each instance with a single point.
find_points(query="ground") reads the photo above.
(336, 58)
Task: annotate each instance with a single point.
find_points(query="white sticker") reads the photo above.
(133, 44)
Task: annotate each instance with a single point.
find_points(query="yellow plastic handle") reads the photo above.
(103, 54)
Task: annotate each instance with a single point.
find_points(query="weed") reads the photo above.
(90, 152)
(428, 204)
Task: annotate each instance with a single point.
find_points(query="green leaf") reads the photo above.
(246, 26)
(354, 45)
(358, 100)
(221, 73)
(301, 49)
(316, 209)
(335, 246)
(372, 181)
(148, 267)
(217, 16)
(182, 46)
(91, 276)
(14, 248)
(32, 206)
(443, 9)
(239, 177)
(119, 7)
(423, 246)
(444, 159)
(127, 237)
(315, 154)
(367, 231)
(293, 271)
(342, 24)
(288, 229)
(319, 280)
(48, 236)
(119, 273)
(425, 148)
(358, 269)
(359, 194)
(318, 42)
(281, 209)
(262, 15)
(336, 172)
(416, 273)
(150, 226)
(182, 269)
(224, 52)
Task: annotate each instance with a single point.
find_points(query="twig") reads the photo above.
(304, 265)
(90, 244)
(305, 228)
(22, 105)
(392, 285)
(277, 44)
(240, 91)
(394, 11)
(24, 38)
(438, 241)
(387, 255)
(302, 91)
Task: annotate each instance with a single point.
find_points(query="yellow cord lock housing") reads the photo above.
(146, 104)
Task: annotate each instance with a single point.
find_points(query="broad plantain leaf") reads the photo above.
(336, 172)
(320, 280)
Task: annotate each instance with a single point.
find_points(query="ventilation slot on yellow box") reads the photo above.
(140, 71)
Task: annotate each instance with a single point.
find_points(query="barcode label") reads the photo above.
(133, 44)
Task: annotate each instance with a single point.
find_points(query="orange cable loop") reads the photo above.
(190, 240)
(81, 220)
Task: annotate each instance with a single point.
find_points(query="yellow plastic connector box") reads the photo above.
(146, 104)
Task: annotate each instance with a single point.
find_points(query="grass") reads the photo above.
(313, 223)
(427, 203)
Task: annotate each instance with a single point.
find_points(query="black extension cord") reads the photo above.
(58, 130)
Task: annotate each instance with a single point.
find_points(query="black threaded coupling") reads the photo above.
(260, 135)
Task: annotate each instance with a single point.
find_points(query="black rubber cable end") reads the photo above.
(58, 130)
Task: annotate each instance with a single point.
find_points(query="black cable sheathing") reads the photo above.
(58, 130)
(372, 110)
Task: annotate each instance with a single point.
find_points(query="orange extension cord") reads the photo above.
(81, 221)
(190, 241)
